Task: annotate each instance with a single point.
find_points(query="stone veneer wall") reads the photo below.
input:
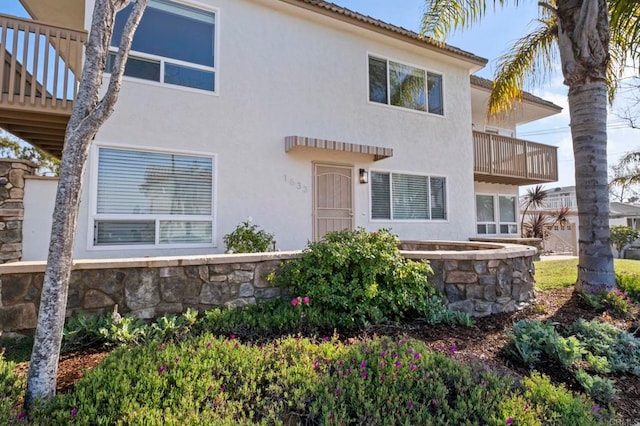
(479, 282)
(12, 173)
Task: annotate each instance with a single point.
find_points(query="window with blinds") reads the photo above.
(396, 196)
(151, 198)
(492, 219)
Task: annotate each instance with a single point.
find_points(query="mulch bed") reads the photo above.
(482, 344)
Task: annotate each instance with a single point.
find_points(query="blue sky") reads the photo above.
(489, 39)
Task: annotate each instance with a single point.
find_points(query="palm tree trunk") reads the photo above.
(588, 111)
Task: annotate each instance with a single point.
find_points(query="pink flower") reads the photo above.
(398, 364)
(434, 402)
(232, 337)
(209, 345)
(365, 374)
(306, 300)
(162, 369)
(294, 301)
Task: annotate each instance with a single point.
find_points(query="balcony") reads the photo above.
(40, 67)
(499, 159)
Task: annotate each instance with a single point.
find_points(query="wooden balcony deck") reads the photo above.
(39, 71)
(500, 159)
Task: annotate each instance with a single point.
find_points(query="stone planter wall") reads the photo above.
(12, 174)
(488, 279)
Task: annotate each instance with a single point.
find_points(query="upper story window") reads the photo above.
(174, 44)
(397, 84)
(396, 196)
(153, 199)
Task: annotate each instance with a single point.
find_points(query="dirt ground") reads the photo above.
(482, 344)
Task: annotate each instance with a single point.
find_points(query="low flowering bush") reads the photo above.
(629, 284)
(218, 380)
(10, 391)
(359, 278)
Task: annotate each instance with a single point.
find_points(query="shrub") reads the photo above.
(361, 278)
(248, 238)
(298, 381)
(10, 391)
(531, 339)
(629, 284)
(599, 388)
(617, 303)
(83, 330)
(619, 348)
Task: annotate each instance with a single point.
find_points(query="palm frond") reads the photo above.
(529, 61)
(442, 17)
(625, 26)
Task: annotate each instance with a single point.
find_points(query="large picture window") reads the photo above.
(174, 44)
(495, 219)
(397, 84)
(396, 196)
(153, 199)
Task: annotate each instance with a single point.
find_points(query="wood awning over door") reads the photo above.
(378, 152)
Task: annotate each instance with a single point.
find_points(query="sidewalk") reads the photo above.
(556, 257)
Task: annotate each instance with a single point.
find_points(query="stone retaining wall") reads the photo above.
(480, 282)
(12, 174)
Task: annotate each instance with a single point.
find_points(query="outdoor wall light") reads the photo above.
(364, 176)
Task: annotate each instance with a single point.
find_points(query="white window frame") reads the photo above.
(162, 59)
(93, 199)
(446, 198)
(497, 222)
(388, 103)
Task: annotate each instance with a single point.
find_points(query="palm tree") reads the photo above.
(535, 198)
(579, 31)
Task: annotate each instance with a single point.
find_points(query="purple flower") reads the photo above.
(426, 375)
(416, 356)
(483, 383)
(363, 364)
(453, 349)
(410, 351)
(22, 415)
(398, 364)
(595, 408)
(210, 388)
(413, 367)
(395, 354)
(331, 416)
(316, 364)
(223, 388)
(2, 350)
(383, 364)
(232, 337)
(338, 392)
(326, 338)
(382, 377)
(510, 420)
(434, 402)
(526, 407)
(177, 359)
(74, 412)
(209, 345)
(162, 369)
(364, 373)
(410, 404)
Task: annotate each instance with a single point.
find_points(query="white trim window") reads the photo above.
(405, 86)
(174, 44)
(496, 214)
(153, 199)
(397, 196)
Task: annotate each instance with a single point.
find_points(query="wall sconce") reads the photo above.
(364, 176)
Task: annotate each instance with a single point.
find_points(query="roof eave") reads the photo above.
(346, 15)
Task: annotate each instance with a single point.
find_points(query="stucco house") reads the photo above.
(303, 115)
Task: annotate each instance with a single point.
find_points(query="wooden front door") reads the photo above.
(333, 199)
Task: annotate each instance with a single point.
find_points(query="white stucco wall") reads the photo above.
(286, 71)
(39, 198)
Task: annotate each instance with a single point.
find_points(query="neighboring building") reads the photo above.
(564, 237)
(301, 114)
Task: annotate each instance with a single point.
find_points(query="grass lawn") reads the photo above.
(554, 274)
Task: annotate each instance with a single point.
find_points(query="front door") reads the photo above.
(333, 199)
